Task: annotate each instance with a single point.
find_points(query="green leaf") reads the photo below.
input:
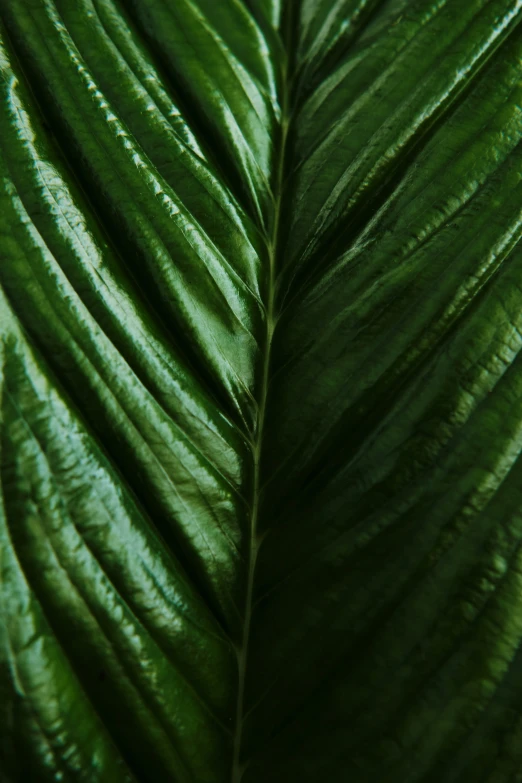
(260, 391)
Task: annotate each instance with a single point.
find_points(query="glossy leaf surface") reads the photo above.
(261, 391)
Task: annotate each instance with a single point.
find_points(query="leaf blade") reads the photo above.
(282, 307)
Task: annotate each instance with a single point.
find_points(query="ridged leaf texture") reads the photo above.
(260, 391)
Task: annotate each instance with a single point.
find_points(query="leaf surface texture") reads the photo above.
(260, 391)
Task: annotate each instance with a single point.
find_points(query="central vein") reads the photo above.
(273, 244)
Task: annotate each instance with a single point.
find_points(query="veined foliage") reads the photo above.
(261, 391)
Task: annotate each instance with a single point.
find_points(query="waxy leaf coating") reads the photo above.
(260, 391)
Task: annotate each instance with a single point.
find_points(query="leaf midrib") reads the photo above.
(271, 320)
